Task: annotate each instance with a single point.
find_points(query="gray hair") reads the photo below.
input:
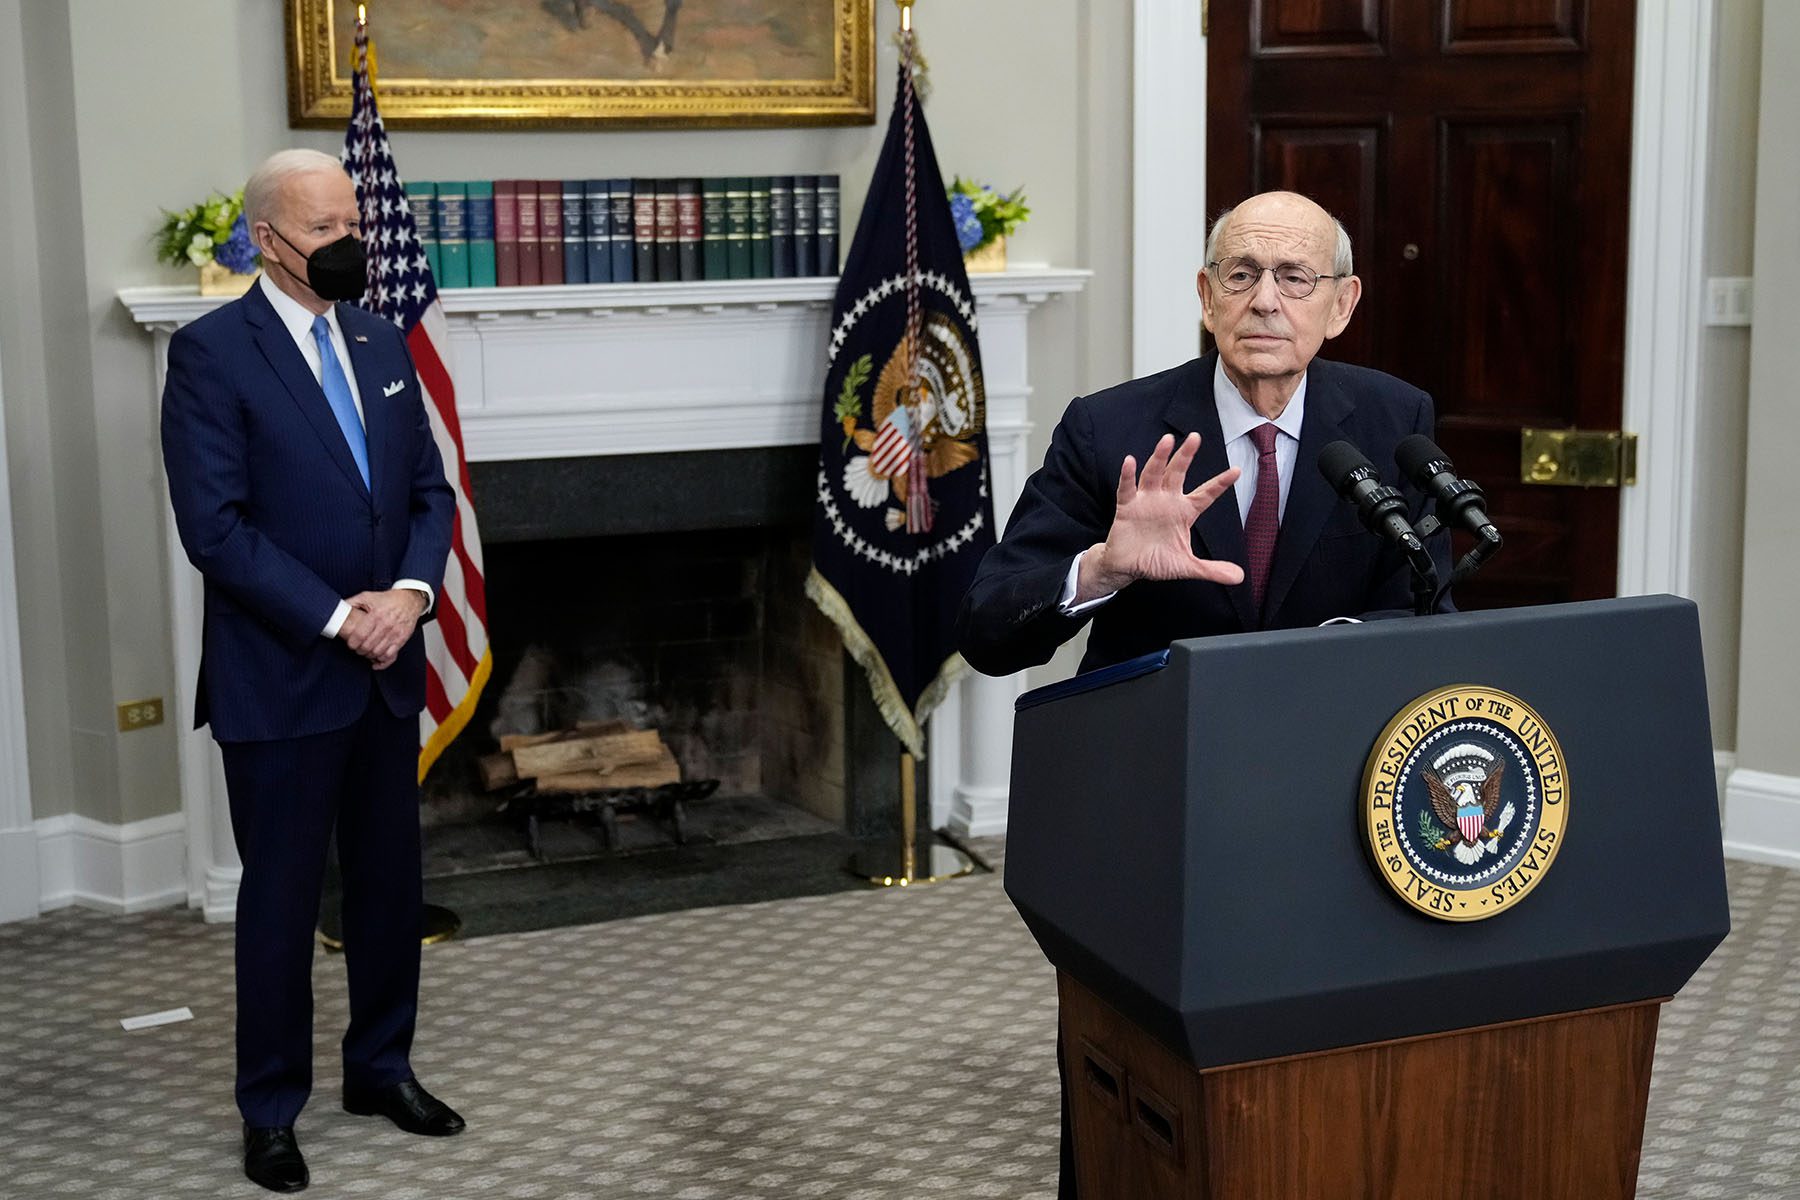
(265, 183)
(1341, 261)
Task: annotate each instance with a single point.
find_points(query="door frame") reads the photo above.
(18, 835)
(1671, 105)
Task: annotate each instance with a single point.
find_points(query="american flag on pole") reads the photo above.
(457, 660)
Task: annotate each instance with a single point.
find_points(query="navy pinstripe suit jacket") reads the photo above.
(1326, 564)
(272, 510)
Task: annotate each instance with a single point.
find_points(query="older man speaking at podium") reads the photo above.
(1228, 525)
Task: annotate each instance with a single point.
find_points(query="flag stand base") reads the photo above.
(436, 924)
(886, 868)
(900, 866)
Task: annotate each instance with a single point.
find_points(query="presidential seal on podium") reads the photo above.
(1464, 801)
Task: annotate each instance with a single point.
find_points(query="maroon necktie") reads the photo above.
(1264, 520)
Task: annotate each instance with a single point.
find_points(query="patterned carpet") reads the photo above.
(855, 1046)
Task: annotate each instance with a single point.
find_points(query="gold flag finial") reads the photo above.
(905, 15)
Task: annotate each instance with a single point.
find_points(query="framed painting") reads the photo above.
(488, 64)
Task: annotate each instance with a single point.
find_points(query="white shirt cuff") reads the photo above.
(338, 616)
(417, 586)
(1066, 604)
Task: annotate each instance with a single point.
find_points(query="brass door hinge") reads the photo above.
(1205, 17)
(1577, 457)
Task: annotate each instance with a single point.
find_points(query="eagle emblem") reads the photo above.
(910, 438)
(1464, 785)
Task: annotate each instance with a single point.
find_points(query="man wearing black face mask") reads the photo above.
(309, 492)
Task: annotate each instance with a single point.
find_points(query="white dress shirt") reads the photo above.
(1236, 420)
(298, 320)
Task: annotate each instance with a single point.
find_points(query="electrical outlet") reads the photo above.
(140, 714)
(1728, 300)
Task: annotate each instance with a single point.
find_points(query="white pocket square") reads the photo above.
(397, 385)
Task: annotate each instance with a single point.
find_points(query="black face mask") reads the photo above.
(337, 270)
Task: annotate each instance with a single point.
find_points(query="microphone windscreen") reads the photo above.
(1415, 452)
(1338, 461)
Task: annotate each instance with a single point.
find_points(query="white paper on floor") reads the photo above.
(166, 1017)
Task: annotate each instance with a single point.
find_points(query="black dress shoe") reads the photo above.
(407, 1105)
(272, 1159)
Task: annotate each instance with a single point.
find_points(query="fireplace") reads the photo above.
(662, 378)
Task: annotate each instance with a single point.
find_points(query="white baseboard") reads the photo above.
(978, 812)
(114, 868)
(1762, 817)
(18, 874)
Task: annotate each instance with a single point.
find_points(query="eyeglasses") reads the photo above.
(1293, 280)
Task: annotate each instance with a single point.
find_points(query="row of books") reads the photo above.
(525, 232)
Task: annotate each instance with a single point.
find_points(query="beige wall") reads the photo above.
(115, 110)
(1768, 708)
(1725, 355)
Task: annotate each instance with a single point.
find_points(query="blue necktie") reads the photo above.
(337, 394)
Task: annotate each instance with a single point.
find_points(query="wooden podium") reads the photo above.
(1250, 1013)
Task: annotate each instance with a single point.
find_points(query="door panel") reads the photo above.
(1478, 152)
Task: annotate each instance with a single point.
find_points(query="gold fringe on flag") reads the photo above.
(909, 727)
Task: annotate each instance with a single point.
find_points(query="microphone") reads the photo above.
(1460, 504)
(1381, 508)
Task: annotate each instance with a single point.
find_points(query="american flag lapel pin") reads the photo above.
(361, 337)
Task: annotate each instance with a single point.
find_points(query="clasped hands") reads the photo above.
(1152, 530)
(380, 623)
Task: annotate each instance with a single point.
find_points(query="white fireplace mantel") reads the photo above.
(606, 369)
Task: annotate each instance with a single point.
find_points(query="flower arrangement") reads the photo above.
(982, 214)
(213, 231)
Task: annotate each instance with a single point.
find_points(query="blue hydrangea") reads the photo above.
(237, 253)
(968, 225)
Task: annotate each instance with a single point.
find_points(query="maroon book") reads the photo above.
(668, 232)
(506, 232)
(550, 231)
(687, 228)
(528, 233)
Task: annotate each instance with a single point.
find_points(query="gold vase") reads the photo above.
(991, 257)
(215, 280)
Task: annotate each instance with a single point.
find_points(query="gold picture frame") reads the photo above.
(514, 64)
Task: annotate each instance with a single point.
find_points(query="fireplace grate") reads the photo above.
(666, 804)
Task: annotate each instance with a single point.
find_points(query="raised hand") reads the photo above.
(1152, 530)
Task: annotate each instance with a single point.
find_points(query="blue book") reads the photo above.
(621, 234)
(574, 232)
(453, 235)
(597, 203)
(479, 213)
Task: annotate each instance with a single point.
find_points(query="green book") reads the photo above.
(421, 198)
(737, 227)
(453, 235)
(480, 217)
(716, 262)
(762, 247)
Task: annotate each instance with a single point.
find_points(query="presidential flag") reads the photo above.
(457, 660)
(904, 513)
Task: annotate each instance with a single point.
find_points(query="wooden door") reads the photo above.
(1479, 153)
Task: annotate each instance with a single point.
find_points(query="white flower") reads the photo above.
(200, 250)
(862, 485)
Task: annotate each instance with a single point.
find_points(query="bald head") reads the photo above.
(1291, 213)
(1276, 286)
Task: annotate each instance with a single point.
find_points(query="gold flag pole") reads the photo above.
(436, 923)
(942, 862)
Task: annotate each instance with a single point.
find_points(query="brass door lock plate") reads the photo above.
(1577, 457)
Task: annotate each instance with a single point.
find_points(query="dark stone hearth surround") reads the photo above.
(551, 498)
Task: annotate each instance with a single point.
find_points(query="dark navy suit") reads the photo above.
(273, 511)
(1326, 563)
